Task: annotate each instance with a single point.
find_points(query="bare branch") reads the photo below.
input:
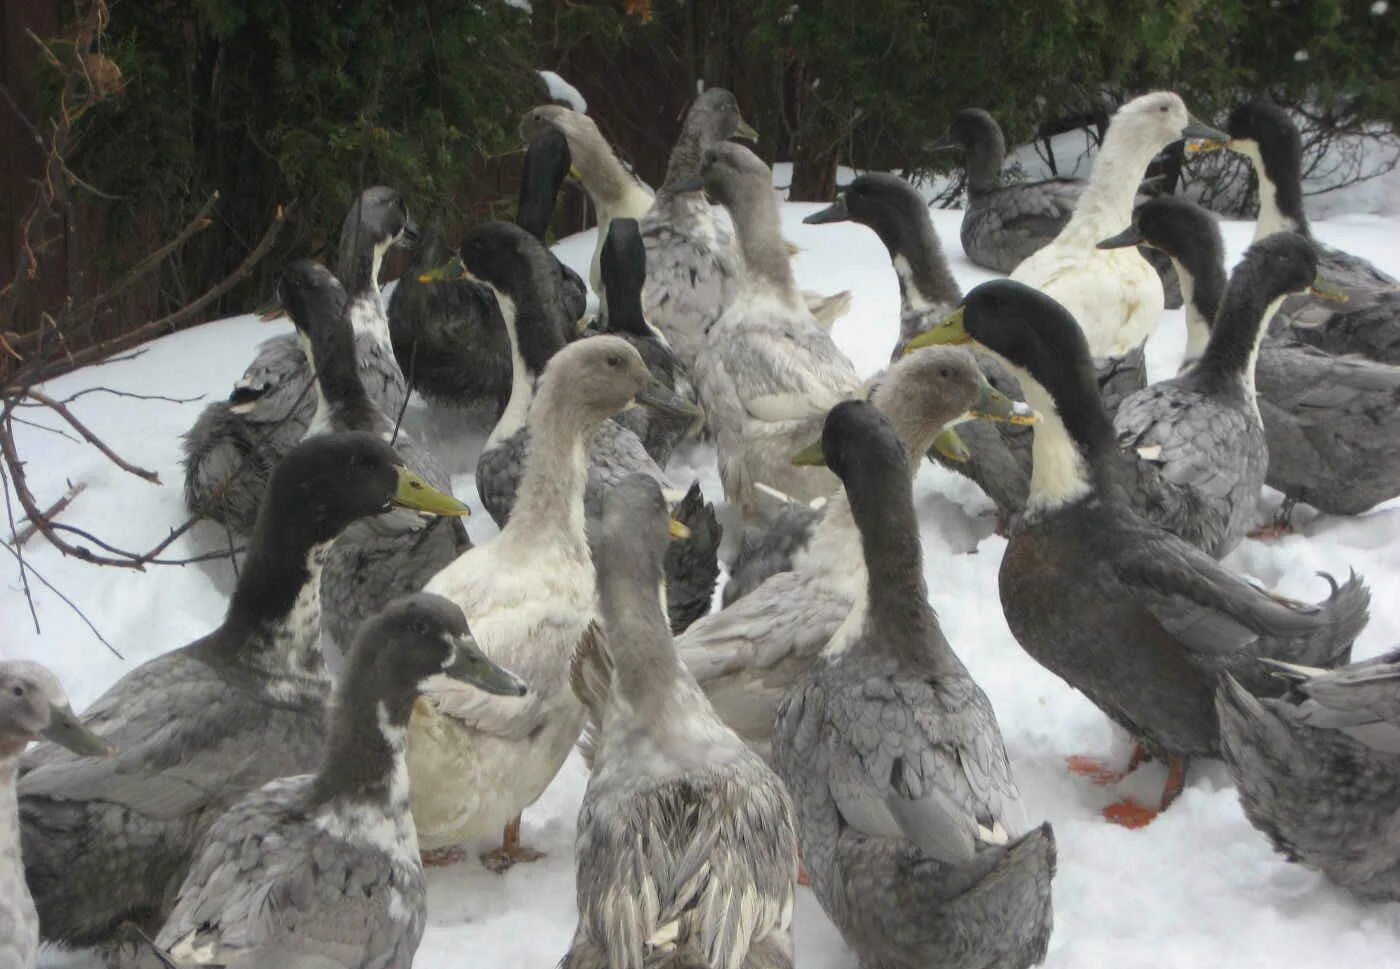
(74, 490)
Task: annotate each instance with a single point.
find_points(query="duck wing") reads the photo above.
(1361, 700)
(276, 385)
(922, 760)
(268, 875)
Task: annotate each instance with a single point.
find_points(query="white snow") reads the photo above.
(1197, 887)
(562, 90)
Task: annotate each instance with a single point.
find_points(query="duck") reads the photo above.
(1114, 294)
(476, 761)
(378, 559)
(687, 853)
(615, 190)
(693, 267)
(199, 727)
(32, 705)
(997, 457)
(1195, 443)
(1329, 421)
(748, 654)
(1316, 769)
(447, 332)
(340, 839)
(910, 821)
(1368, 321)
(767, 371)
(625, 273)
(1139, 620)
(1004, 223)
(514, 265)
(234, 444)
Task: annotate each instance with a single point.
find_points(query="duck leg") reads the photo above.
(1132, 814)
(442, 857)
(1282, 523)
(511, 851)
(1100, 773)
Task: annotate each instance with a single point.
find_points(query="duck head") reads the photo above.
(730, 175)
(884, 203)
(33, 705)
(377, 220)
(547, 163)
(1160, 118)
(624, 268)
(600, 375)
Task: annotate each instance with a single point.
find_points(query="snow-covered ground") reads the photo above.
(1197, 887)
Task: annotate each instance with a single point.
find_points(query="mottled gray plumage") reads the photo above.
(686, 847)
(378, 559)
(747, 655)
(1005, 223)
(769, 545)
(514, 264)
(32, 705)
(326, 865)
(693, 266)
(1194, 444)
(199, 727)
(1332, 424)
(624, 268)
(908, 815)
(233, 445)
(1369, 322)
(1138, 619)
(1318, 771)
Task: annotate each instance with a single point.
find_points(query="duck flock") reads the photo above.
(382, 692)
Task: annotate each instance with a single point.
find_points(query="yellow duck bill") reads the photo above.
(993, 405)
(415, 493)
(950, 332)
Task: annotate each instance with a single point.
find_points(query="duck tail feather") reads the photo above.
(692, 564)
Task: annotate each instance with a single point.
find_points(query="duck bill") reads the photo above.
(413, 492)
(1131, 236)
(449, 271)
(470, 665)
(950, 332)
(1322, 289)
(664, 401)
(410, 236)
(951, 446)
(1196, 130)
(66, 730)
(574, 173)
(678, 530)
(993, 405)
(746, 131)
(810, 456)
(835, 212)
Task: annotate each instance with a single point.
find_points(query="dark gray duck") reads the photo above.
(1368, 323)
(998, 456)
(910, 822)
(1332, 423)
(624, 268)
(32, 705)
(326, 864)
(234, 445)
(387, 556)
(1006, 222)
(199, 727)
(447, 331)
(514, 264)
(686, 849)
(1318, 769)
(1139, 620)
(1195, 443)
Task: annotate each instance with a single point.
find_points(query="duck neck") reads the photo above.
(1113, 184)
(614, 190)
(342, 404)
(1280, 203)
(1201, 290)
(985, 157)
(549, 502)
(274, 618)
(1071, 446)
(926, 284)
(899, 620)
(364, 760)
(522, 379)
(1233, 350)
(761, 243)
(645, 666)
(688, 155)
(11, 866)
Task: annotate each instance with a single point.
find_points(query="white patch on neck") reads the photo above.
(297, 639)
(522, 382)
(1197, 326)
(1058, 474)
(396, 737)
(377, 262)
(321, 420)
(1271, 218)
(914, 300)
(1253, 359)
(369, 316)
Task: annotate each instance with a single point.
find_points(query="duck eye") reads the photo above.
(945, 373)
(1163, 109)
(420, 627)
(614, 360)
(18, 691)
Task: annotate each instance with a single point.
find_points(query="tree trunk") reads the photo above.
(813, 174)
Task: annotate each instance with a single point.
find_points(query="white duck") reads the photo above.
(477, 760)
(1115, 294)
(767, 372)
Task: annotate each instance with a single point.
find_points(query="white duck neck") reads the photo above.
(1113, 184)
(549, 502)
(757, 228)
(1059, 471)
(522, 382)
